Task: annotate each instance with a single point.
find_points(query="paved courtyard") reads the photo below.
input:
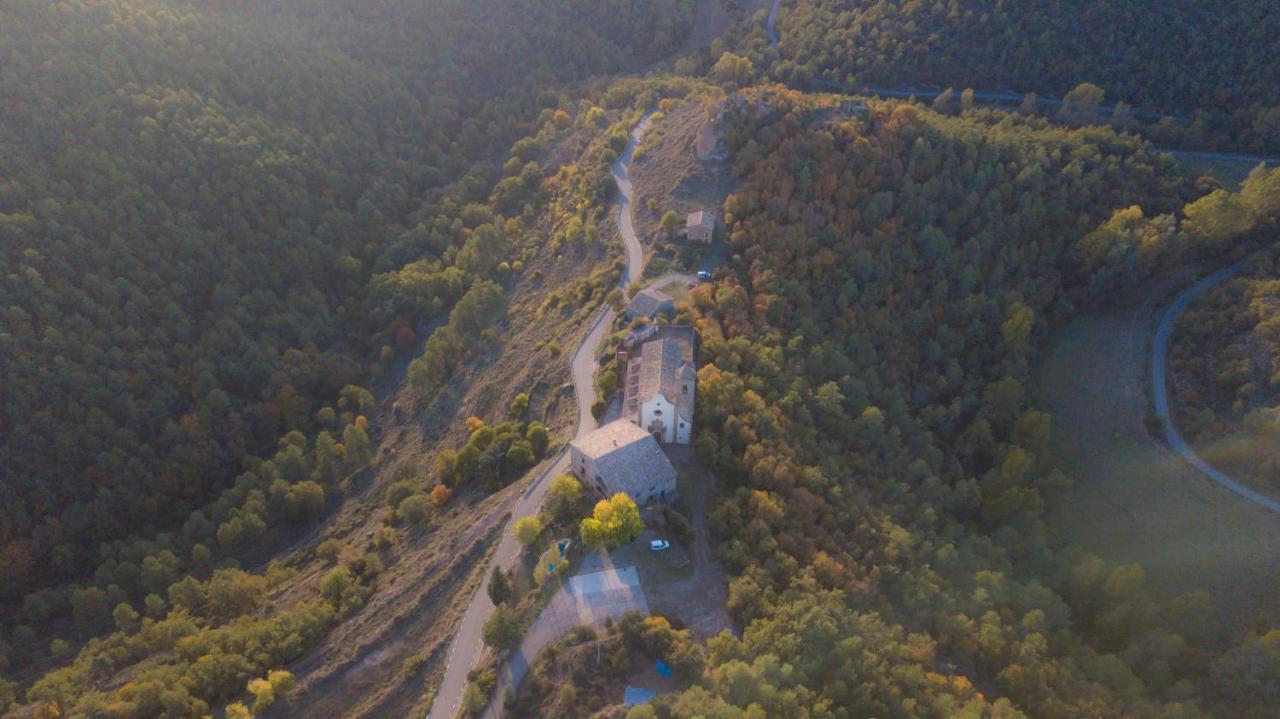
(586, 599)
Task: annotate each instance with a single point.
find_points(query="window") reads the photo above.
(682, 425)
(685, 388)
(657, 413)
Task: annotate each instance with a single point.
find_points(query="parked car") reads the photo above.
(659, 545)
(704, 275)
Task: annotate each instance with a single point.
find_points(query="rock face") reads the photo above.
(710, 144)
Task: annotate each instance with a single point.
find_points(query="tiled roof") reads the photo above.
(703, 218)
(627, 457)
(648, 302)
(658, 366)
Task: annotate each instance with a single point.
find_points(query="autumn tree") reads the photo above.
(527, 530)
(614, 522)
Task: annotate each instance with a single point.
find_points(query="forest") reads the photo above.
(193, 250)
(1214, 67)
(1223, 357)
(230, 230)
(886, 476)
(219, 228)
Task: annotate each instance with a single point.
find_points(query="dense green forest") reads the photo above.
(886, 476)
(1215, 65)
(219, 224)
(197, 204)
(1224, 354)
(228, 227)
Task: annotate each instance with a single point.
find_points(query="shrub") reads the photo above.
(398, 492)
(440, 495)
(527, 530)
(416, 509)
(329, 549)
(520, 404)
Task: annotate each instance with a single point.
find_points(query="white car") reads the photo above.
(659, 545)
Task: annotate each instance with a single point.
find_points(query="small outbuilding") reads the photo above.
(649, 302)
(621, 457)
(700, 226)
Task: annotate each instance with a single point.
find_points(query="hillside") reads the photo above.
(194, 248)
(301, 302)
(1216, 66)
(219, 228)
(886, 475)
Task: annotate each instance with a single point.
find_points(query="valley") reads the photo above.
(657, 359)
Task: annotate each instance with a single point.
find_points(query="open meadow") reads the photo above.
(1134, 500)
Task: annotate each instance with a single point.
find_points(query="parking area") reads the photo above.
(588, 598)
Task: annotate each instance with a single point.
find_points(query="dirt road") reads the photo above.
(467, 647)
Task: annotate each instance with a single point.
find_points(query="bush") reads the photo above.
(670, 223)
(416, 509)
(499, 586)
(329, 549)
(398, 492)
(562, 496)
(371, 565)
(412, 665)
(679, 525)
(337, 586)
(520, 404)
(440, 495)
(502, 628)
(527, 530)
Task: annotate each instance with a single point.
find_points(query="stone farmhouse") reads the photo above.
(621, 457)
(660, 384)
(649, 302)
(700, 226)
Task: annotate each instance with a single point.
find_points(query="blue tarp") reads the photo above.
(663, 669)
(635, 695)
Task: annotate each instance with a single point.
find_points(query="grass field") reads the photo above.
(1134, 500)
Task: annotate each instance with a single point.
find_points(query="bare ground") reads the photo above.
(668, 175)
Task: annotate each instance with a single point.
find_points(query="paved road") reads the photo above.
(1159, 356)
(1229, 157)
(626, 195)
(771, 24)
(467, 647)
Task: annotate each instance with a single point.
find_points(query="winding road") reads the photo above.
(771, 24)
(1009, 97)
(1160, 388)
(467, 647)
